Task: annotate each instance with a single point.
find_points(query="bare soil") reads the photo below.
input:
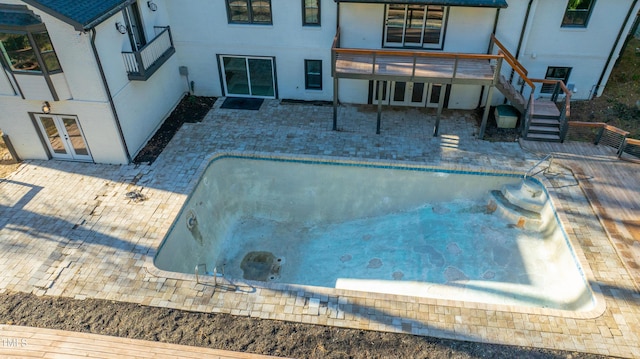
(221, 331)
(7, 163)
(191, 109)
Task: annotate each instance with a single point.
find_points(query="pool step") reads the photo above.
(527, 195)
(524, 206)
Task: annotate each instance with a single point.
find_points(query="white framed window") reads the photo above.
(415, 26)
(249, 11)
(578, 13)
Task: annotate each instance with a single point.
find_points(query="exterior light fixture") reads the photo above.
(152, 5)
(46, 108)
(121, 28)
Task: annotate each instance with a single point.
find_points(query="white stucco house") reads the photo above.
(92, 80)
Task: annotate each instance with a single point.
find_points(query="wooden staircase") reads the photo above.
(514, 96)
(541, 118)
(544, 124)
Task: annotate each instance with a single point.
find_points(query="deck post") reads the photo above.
(335, 103)
(487, 108)
(379, 83)
(436, 128)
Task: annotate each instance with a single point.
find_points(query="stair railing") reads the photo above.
(526, 121)
(565, 112)
(547, 157)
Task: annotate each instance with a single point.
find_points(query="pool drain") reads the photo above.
(262, 266)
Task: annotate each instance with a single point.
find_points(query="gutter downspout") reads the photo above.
(490, 50)
(613, 49)
(524, 28)
(109, 97)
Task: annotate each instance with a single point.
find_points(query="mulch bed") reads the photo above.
(191, 109)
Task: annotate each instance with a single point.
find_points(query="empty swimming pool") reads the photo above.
(377, 227)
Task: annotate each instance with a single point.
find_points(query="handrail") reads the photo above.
(215, 273)
(197, 271)
(416, 54)
(513, 62)
(510, 58)
(336, 40)
(564, 89)
(549, 156)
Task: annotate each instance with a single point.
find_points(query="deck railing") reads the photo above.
(373, 60)
(630, 150)
(141, 64)
(600, 133)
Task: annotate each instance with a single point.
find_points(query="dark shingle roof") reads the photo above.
(470, 3)
(82, 14)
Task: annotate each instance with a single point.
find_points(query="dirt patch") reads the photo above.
(7, 164)
(221, 331)
(492, 132)
(191, 109)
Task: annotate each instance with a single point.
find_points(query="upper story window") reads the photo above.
(577, 13)
(415, 26)
(311, 12)
(28, 52)
(249, 11)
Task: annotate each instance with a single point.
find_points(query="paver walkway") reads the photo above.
(28, 342)
(91, 231)
(612, 186)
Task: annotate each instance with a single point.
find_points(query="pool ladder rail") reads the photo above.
(547, 157)
(214, 274)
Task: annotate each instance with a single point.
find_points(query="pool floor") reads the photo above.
(442, 250)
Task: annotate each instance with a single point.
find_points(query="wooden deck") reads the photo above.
(611, 185)
(28, 342)
(413, 66)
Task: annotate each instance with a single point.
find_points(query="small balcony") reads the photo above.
(142, 64)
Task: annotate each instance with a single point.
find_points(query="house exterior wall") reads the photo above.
(141, 105)
(201, 32)
(81, 95)
(546, 43)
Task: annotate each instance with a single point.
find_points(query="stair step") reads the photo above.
(542, 137)
(528, 195)
(544, 129)
(517, 216)
(545, 122)
(545, 109)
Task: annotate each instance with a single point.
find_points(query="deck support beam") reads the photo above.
(335, 103)
(436, 128)
(485, 115)
(379, 83)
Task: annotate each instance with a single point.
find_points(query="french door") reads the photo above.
(416, 94)
(245, 76)
(64, 137)
(414, 26)
(134, 27)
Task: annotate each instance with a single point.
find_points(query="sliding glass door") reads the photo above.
(245, 76)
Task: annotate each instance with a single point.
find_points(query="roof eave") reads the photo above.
(76, 24)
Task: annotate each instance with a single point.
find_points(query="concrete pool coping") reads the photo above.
(68, 229)
(358, 297)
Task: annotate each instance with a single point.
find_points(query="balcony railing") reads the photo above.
(141, 64)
